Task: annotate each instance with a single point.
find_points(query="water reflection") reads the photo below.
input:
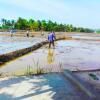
(50, 56)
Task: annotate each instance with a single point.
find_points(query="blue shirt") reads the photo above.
(51, 37)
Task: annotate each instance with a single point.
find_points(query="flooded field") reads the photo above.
(75, 55)
(86, 36)
(9, 44)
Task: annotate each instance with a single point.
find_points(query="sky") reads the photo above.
(80, 13)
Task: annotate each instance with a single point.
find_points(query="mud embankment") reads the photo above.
(12, 55)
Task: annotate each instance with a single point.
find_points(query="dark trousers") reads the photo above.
(51, 43)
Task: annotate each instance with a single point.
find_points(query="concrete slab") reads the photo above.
(43, 87)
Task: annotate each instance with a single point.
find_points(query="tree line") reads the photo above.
(40, 25)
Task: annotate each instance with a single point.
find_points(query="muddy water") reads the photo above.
(68, 54)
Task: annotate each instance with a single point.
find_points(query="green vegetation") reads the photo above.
(93, 76)
(37, 25)
(98, 31)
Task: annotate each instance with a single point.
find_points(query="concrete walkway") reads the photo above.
(43, 87)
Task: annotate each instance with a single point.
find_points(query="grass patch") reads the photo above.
(93, 76)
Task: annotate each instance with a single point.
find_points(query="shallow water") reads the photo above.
(9, 44)
(68, 54)
(86, 37)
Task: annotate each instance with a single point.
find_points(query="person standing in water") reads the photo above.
(27, 33)
(51, 39)
(11, 33)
